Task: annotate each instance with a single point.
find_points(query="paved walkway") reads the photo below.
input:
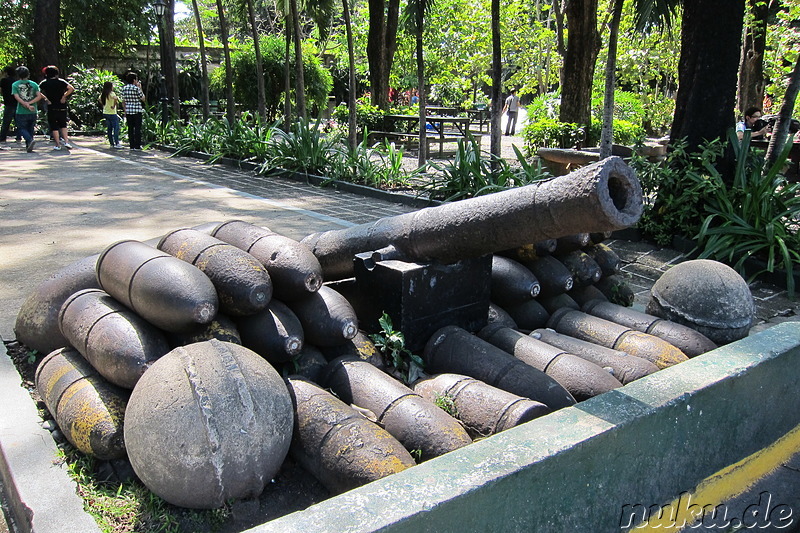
(58, 207)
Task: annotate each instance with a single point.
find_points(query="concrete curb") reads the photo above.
(41, 496)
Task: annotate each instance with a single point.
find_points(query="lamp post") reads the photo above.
(159, 8)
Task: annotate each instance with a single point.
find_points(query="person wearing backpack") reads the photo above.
(26, 93)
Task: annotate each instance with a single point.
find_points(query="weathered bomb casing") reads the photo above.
(484, 410)
(581, 295)
(583, 379)
(37, 320)
(88, 409)
(571, 243)
(554, 278)
(528, 315)
(222, 328)
(606, 258)
(455, 350)
(327, 317)
(208, 422)
(275, 333)
(117, 342)
(554, 303)
(308, 364)
(294, 270)
(598, 330)
(600, 236)
(243, 284)
(340, 447)
(512, 283)
(167, 292)
(417, 423)
(707, 296)
(361, 347)
(498, 315)
(687, 340)
(625, 367)
(616, 290)
(598, 197)
(584, 269)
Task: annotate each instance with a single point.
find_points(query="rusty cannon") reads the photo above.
(596, 198)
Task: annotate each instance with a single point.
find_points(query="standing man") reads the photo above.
(9, 103)
(132, 99)
(512, 108)
(56, 91)
(26, 93)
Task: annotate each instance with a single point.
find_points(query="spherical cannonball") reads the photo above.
(207, 422)
(707, 296)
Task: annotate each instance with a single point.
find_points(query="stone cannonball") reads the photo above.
(207, 422)
(707, 296)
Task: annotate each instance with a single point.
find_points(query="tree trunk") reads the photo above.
(262, 98)
(45, 38)
(780, 131)
(751, 65)
(381, 45)
(205, 98)
(583, 45)
(170, 61)
(352, 123)
(607, 134)
(299, 80)
(423, 97)
(287, 70)
(495, 139)
(710, 45)
(230, 108)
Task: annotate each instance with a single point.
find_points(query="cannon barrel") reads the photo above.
(599, 197)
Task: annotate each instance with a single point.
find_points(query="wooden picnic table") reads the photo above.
(793, 172)
(444, 128)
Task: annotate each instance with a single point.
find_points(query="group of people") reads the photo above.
(21, 96)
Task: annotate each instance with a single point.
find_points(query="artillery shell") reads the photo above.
(165, 291)
(554, 278)
(580, 377)
(689, 341)
(570, 243)
(327, 317)
(454, 350)
(417, 423)
(117, 342)
(340, 447)
(583, 268)
(625, 367)
(88, 409)
(600, 236)
(498, 315)
(37, 320)
(512, 283)
(294, 270)
(606, 258)
(309, 363)
(529, 315)
(616, 289)
(274, 333)
(581, 295)
(484, 410)
(242, 282)
(605, 333)
(360, 346)
(545, 247)
(221, 328)
(554, 303)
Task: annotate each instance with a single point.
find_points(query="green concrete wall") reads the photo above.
(672, 432)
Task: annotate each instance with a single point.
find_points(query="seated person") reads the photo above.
(753, 122)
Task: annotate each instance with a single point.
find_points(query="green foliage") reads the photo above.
(447, 404)
(301, 149)
(379, 166)
(551, 133)
(470, 174)
(626, 133)
(392, 345)
(84, 102)
(245, 91)
(675, 190)
(756, 216)
(368, 116)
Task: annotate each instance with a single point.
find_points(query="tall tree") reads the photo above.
(607, 133)
(46, 34)
(352, 125)
(204, 98)
(710, 45)
(262, 99)
(415, 13)
(495, 139)
(751, 63)
(230, 108)
(299, 78)
(780, 133)
(381, 46)
(583, 45)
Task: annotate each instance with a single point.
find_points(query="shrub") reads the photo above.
(550, 133)
(84, 107)
(368, 116)
(626, 133)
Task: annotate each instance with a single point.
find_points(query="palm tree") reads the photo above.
(230, 111)
(205, 99)
(495, 143)
(352, 125)
(607, 133)
(415, 20)
(262, 99)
